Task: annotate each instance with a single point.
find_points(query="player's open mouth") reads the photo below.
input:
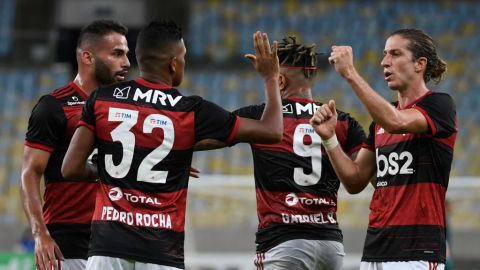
(120, 75)
(387, 75)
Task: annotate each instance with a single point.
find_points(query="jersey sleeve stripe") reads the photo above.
(234, 131)
(64, 93)
(61, 91)
(368, 146)
(429, 120)
(39, 146)
(82, 123)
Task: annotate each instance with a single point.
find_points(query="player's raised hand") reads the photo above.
(342, 58)
(265, 59)
(324, 120)
(47, 252)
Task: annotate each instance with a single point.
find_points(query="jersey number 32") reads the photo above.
(123, 134)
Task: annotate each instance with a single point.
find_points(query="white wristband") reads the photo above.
(330, 143)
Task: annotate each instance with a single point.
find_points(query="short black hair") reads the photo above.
(98, 29)
(157, 35)
(295, 55)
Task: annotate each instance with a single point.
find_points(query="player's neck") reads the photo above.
(297, 93)
(156, 78)
(86, 85)
(411, 94)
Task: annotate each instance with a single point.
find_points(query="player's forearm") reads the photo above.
(347, 170)
(272, 119)
(32, 202)
(382, 112)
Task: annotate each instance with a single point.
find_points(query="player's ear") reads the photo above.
(421, 64)
(173, 65)
(86, 57)
(282, 82)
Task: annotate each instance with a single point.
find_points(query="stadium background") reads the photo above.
(37, 40)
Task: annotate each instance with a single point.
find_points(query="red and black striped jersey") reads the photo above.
(296, 186)
(69, 203)
(145, 134)
(407, 218)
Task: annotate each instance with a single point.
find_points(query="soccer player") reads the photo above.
(409, 149)
(145, 130)
(62, 230)
(296, 186)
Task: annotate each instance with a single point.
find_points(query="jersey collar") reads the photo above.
(412, 104)
(79, 90)
(152, 85)
(304, 100)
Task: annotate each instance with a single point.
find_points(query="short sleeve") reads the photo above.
(46, 125)
(369, 142)
(88, 112)
(355, 136)
(252, 112)
(440, 112)
(214, 122)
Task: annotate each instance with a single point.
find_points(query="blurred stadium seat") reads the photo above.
(7, 8)
(20, 90)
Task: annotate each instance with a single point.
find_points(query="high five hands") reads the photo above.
(265, 59)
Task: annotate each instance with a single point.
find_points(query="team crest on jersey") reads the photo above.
(287, 108)
(121, 93)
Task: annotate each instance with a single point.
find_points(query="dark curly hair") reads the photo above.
(294, 55)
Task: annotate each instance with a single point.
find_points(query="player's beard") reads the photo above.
(103, 74)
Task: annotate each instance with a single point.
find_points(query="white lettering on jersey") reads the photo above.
(389, 164)
(137, 219)
(116, 194)
(319, 218)
(75, 101)
(292, 199)
(310, 108)
(152, 96)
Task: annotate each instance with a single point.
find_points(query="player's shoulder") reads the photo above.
(434, 97)
(48, 101)
(68, 95)
(119, 89)
(47, 106)
(63, 91)
(439, 95)
(260, 106)
(194, 103)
